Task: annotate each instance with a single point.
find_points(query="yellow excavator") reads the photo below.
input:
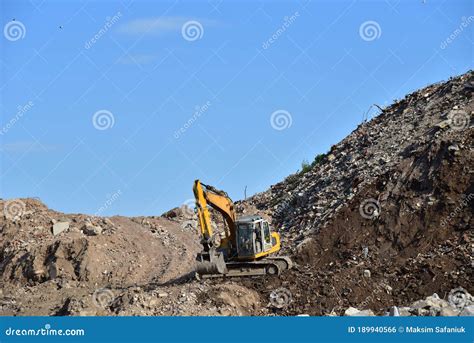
(247, 242)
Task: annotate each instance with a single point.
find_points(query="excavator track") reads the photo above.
(274, 265)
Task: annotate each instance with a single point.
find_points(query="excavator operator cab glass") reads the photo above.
(267, 244)
(253, 237)
(246, 239)
(258, 237)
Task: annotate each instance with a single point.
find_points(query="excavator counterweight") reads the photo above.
(247, 246)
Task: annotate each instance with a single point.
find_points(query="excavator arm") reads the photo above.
(220, 201)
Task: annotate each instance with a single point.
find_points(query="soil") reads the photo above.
(384, 219)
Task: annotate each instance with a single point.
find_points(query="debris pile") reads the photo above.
(380, 221)
(439, 114)
(386, 217)
(459, 303)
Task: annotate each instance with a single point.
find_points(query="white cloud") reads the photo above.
(26, 146)
(159, 25)
(137, 59)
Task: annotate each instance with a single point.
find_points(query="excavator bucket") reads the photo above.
(210, 262)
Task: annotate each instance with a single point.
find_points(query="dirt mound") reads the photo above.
(306, 201)
(399, 225)
(383, 219)
(43, 250)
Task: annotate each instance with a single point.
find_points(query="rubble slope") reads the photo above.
(384, 218)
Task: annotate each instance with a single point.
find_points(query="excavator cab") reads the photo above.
(254, 238)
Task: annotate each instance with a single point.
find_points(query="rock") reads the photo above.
(353, 312)
(388, 289)
(60, 227)
(394, 312)
(92, 230)
(404, 311)
(468, 311)
(449, 312)
(365, 252)
(367, 273)
(163, 294)
(304, 243)
(453, 147)
(87, 313)
(431, 301)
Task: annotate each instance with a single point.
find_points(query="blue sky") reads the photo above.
(130, 101)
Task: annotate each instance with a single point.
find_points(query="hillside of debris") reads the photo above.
(388, 209)
(383, 219)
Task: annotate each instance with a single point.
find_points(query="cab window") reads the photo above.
(266, 233)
